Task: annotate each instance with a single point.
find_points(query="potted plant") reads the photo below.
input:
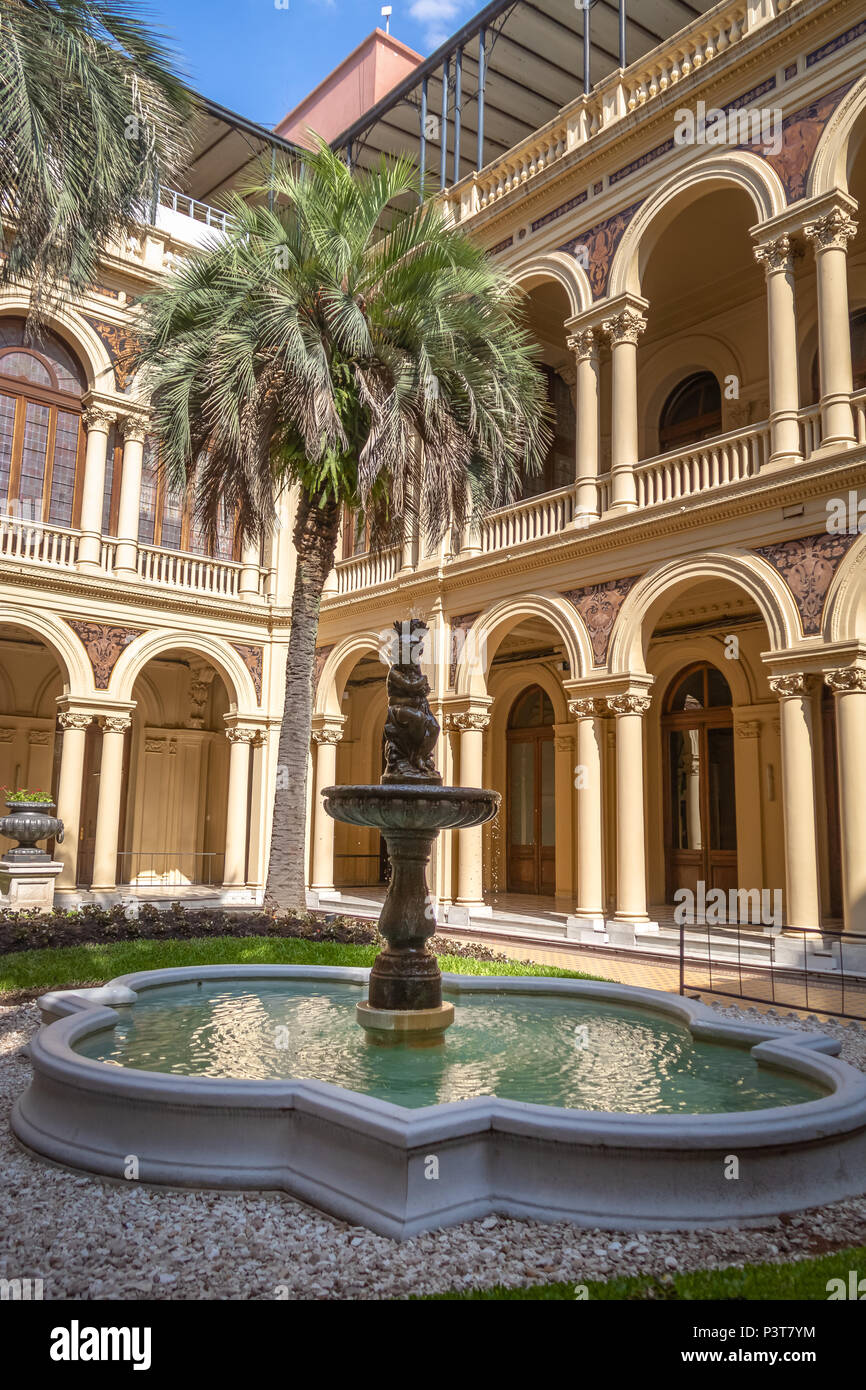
(29, 820)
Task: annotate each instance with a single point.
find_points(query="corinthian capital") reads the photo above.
(115, 723)
(834, 230)
(475, 721)
(776, 255)
(584, 344)
(625, 327)
(846, 679)
(586, 708)
(628, 704)
(71, 719)
(134, 429)
(98, 417)
(238, 734)
(792, 686)
(329, 733)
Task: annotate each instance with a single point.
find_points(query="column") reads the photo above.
(98, 422)
(584, 345)
(777, 257)
(249, 584)
(624, 331)
(829, 236)
(590, 835)
(126, 552)
(803, 899)
(630, 836)
(114, 729)
(849, 689)
(74, 726)
(235, 867)
(470, 843)
(325, 739)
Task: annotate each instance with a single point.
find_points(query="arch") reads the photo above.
(844, 617)
(738, 168)
(652, 593)
(62, 642)
(562, 268)
(829, 169)
(492, 626)
(328, 697)
(667, 663)
(216, 650)
(78, 335)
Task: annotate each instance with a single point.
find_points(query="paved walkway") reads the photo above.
(527, 928)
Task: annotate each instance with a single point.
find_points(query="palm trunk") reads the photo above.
(315, 537)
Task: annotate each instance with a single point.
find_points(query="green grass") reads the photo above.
(806, 1279)
(78, 965)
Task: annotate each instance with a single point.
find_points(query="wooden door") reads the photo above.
(531, 796)
(700, 794)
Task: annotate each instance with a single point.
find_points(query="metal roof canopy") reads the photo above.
(226, 147)
(506, 73)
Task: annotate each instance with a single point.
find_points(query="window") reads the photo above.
(41, 434)
(693, 411)
(559, 466)
(165, 516)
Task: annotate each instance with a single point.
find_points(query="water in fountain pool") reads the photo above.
(586, 1055)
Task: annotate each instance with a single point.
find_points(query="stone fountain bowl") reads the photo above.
(412, 806)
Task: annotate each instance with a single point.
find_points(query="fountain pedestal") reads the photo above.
(410, 806)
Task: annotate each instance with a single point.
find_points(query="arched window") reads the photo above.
(41, 435)
(701, 687)
(857, 321)
(532, 710)
(692, 411)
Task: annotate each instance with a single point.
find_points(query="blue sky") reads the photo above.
(260, 57)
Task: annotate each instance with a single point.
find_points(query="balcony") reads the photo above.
(710, 468)
(29, 544)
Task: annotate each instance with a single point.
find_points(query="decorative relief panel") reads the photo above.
(253, 659)
(122, 344)
(459, 628)
(598, 605)
(600, 242)
(801, 132)
(322, 654)
(807, 566)
(104, 645)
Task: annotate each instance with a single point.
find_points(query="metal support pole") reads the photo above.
(273, 171)
(482, 78)
(443, 166)
(422, 162)
(587, 50)
(458, 99)
(623, 60)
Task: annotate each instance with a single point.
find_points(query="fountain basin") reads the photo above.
(370, 1160)
(411, 806)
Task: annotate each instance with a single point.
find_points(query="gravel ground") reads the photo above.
(87, 1238)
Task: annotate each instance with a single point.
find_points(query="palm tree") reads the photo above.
(92, 114)
(312, 350)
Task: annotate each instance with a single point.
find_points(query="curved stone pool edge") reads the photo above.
(402, 1171)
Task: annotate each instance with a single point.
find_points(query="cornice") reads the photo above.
(81, 586)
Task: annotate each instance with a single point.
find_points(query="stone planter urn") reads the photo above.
(28, 822)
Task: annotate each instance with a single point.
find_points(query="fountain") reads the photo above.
(609, 1105)
(409, 806)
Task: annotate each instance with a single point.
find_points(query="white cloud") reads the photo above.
(438, 18)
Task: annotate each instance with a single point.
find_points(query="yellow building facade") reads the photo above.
(658, 655)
